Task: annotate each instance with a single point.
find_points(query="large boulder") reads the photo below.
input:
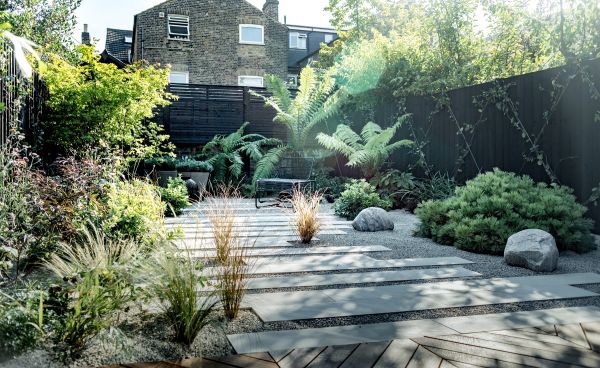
(534, 249)
(373, 219)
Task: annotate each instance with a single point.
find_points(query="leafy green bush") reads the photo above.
(97, 105)
(488, 209)
(392, 183)
(135, 211)
(161, 163)
(177, 288)
(187, 164)
(175, 196)
(21, 321)
(358, 195)
(326, 183)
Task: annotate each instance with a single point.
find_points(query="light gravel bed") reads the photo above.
(147, 339)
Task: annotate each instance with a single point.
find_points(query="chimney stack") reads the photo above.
(271, 9)
(85, 36)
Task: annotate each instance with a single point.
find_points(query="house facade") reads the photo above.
(218, 42)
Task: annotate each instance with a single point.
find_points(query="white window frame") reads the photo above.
(128, 39)
(258, 26)
(329, 35)
(256, 85)
(186, 76)
(299, 36)
(180, 20)
(293, 77)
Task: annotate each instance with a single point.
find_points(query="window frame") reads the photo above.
(262, 32)
(293, 77)
(329, 35)
(186, 74)
(262, 81)
(299, 36)
(178, 36)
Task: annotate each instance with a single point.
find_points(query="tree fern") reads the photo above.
(368, 150)
(268, 163)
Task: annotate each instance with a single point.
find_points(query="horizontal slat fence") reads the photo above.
(201, 112)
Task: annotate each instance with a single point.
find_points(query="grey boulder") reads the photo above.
(373, 219)
(533, 249)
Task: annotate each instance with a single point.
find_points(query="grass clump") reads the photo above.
(484, 213)
(222, 217)
(233, 277)
(306, 211)
(177, 288)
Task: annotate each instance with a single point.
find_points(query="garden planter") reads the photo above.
(164, 175)
(199, 177)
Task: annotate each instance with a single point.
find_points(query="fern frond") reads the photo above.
(279, 91)
(370, 130)
(268, 163)
(333, 143)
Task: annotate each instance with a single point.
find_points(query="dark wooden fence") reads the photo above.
(559, 109)
(21, 99)
(201, 112)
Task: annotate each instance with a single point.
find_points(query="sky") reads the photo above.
(102, 14)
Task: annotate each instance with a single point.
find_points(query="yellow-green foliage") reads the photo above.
(98, 105)
(490, 208)
(135, 210)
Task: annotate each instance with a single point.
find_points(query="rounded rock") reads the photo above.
(533, 249)
(373, 219)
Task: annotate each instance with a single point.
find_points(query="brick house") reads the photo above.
(218, 42)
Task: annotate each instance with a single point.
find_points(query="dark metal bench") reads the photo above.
(292, 173)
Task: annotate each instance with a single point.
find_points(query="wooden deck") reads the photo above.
(574, 345)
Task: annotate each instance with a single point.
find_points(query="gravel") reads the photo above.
(146, 336)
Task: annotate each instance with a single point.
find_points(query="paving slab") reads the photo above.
(354, 334)
(346, 262)
(262, 242)
(512, 320)
(301, 251)
(358, 278)
(339, 335)
(253, 233)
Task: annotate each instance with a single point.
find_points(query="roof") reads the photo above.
(311, 29)
(116, 46)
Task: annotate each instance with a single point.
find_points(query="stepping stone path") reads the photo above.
(503, 339)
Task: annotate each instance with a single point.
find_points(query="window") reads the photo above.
(328, 38)
(128, 39)
(250, 81)
(298, 40)
(252, 34)
(292, 80)
(179, 77)
(179, 27)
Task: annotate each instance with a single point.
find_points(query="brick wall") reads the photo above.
(213, 55)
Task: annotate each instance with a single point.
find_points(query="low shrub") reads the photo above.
(162, 163)
(187, 164)
(329, 184)
(135, 211)
(305, 217)
(175, 196)
(358, 195)
(488, 209)
(393, 184)
(21, 321)
(177, 287)
(438, 186)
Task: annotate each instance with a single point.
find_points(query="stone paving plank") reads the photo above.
(510, 320)
(333, 356)
(338, 335)
(424, 358)
(300, 358)
(202, 363)
(592, 334)
(359, 278)
(262, 356)
(347, 262)
(298, 251)
(460, 365)
(284, 232)
(297, 307)
(534, 361)
(574, 333)
(365, 355)
(447, 364)
(562, 354)
(398, 354)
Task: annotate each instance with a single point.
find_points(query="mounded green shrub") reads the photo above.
(175, 196)
(490, 208)
(358, 195)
